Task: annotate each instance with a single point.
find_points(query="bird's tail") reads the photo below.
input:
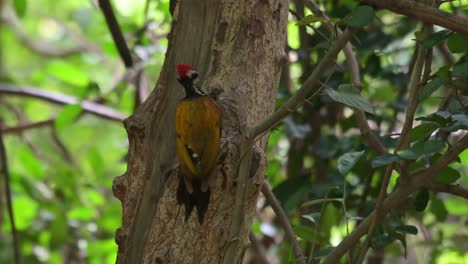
(197, 198)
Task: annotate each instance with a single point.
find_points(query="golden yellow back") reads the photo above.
(198, 132)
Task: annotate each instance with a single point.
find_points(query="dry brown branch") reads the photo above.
(284, 221)
(63, 99)
(395, 199)
(423, 13)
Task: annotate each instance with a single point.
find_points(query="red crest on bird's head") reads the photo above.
(182, 69)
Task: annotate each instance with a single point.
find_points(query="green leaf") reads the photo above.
(59, 231)
(309, 19)
(30, 164)
(435, 38)
(347, 88)
(458, 43)
(81, 213)
(407, 154)
(460, 70)
(20, 7)
(447, 175)
(96, 160)
(402, 239)
(461, 119)
(438, 209)
(321, 200)
(384, 160)
(361, 16)
(306, 233)
(433, 146)
(430, 88)
(420, 200)
(422, 148)
(68, 73)
(407, 229)
(351, 99)
(291, 192)
(444, 72)
(67, 116)
(323, 252)
(25, 210)
(440, 117)
(423, 131)
(347, 161)
(313, 217)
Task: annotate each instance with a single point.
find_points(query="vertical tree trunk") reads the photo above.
(238, 48)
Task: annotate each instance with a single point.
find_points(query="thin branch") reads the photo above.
(446, 54)
(298, 99)
(284, 221)
(453, 189)
(413, 101)
(22, 127)
(259, 249)
(353, 66)
(67, 155)
(394, 200)
(6, 176)
(298, 17)
(117, 35)
(403, 140)
(442, 162)
(377, 214)
(347, 50)
(21, 118)
(366, 132)
(62, 99)
(423, 13)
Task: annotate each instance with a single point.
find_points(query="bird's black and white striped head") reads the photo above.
(188, 77)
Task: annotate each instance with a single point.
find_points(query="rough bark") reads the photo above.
(238, 48)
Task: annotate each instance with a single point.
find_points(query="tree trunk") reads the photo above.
(238, 49)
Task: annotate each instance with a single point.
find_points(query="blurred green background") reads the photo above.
(62, 172)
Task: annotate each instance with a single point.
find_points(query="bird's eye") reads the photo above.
(194, 75)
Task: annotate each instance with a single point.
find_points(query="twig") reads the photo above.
(424, 13)
(441, 163)
(20, 117)
(298, 17)
(453, 189)
(139, 81)
(66, 153)
(366, 132)
(22, 127)
(117, 35)
(347, 50)
(353, 65)
(377, 210)
(62, 99)
(6, 176)
(446, 54)
(297, 99)
(284, 221)
(259, 249)
(403, 141)
(413, 87)
(394, 200)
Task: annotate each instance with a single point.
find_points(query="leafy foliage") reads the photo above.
(62, 172)
(325, 173)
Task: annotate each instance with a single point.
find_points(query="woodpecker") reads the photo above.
(198, 125)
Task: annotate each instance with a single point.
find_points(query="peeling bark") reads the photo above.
(238, 49)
